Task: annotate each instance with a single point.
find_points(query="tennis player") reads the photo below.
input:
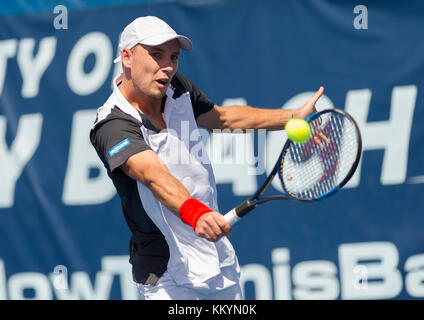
(143, 134)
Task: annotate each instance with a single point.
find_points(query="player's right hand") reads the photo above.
(212, 226)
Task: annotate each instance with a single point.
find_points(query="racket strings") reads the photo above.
(311, 171)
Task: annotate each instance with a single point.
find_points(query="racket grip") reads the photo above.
(232, 217)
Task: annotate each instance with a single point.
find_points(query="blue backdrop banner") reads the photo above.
(62, 232)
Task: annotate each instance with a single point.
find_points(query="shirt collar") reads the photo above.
(123, 104)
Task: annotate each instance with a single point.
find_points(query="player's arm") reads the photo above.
(150, 170)
(247, 117)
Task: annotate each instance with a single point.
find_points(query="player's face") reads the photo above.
(152, 68)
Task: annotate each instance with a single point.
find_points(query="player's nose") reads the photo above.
(168, 65)
(168, 69)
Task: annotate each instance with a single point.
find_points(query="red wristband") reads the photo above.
(191, 210)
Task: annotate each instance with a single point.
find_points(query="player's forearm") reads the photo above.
(205, 222)
(150, 171)
(146, 168)
(168, 190)
(246, 117)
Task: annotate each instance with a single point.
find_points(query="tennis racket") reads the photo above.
(310, 171)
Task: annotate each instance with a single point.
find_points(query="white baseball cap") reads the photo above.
(150, 31)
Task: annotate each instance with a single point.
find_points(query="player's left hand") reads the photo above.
(306, 110)
(309, 107)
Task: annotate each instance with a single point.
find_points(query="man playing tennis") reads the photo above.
(179, 247)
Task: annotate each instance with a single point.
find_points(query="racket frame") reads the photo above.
(248, 205)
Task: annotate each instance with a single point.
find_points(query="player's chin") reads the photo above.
(158, 93)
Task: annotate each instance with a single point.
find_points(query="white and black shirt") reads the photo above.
(161, 241)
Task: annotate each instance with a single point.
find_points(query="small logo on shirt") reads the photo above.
(121, 145)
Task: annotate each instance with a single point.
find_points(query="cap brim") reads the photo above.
(185, 43)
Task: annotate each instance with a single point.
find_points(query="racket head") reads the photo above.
(308, 172)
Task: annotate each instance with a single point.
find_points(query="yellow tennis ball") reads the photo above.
(298, 130)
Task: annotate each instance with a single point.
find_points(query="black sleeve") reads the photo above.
(201, 103)
(116, 140)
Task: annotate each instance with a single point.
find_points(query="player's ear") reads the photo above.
(126, 57)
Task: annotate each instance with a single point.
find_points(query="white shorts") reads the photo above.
(225, 286)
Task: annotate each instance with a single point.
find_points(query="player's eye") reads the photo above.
(155, 55)
(175, 57)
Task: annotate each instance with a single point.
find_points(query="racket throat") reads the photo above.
(245, 207)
